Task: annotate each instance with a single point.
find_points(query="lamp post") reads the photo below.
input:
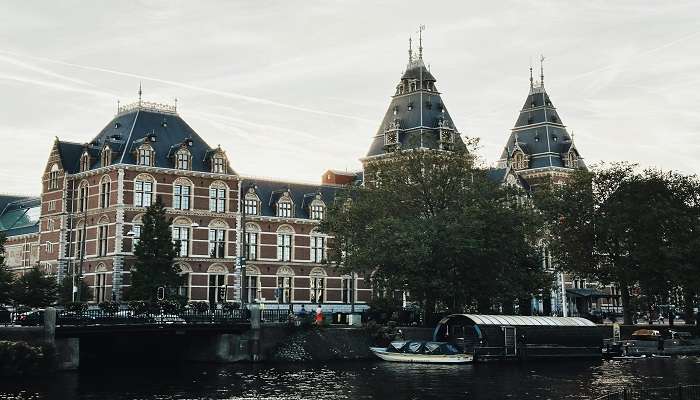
(244, 251)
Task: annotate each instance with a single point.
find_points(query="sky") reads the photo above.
(291, 89)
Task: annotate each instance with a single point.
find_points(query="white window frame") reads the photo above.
(143, 197)
(183, 235)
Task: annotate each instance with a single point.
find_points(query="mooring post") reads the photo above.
(255, 326)
(50, 325)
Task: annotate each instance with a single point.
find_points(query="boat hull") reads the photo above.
(422, 358)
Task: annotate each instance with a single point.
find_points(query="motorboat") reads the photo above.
(412, 351)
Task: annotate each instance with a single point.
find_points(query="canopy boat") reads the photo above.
(410, 351)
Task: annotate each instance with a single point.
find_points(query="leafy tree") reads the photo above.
(34, 289)
(6, 276)
(65, 290)
(434, 225)
(155, 253)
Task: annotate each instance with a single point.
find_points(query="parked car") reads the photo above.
(30, 318)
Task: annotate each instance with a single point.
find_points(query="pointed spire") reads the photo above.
(410, 50)
(140, 93)
(118, 106)
(175, 103)
(541, 70)
(532, 84)
(420, 41)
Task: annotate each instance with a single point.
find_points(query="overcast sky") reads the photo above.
(290, 89)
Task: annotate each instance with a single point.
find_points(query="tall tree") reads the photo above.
(434, 225)
(65, 290)
(6, 276)
(155, 253)
(34, 289)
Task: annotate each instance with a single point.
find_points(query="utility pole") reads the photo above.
(244, 250)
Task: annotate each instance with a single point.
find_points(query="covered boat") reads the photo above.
(412, 351)
(514, 336)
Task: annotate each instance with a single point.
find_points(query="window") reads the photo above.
(106, 157)
(217, 287)
(83, 197)
(217, 199)
(50, 224)
(105, 188)
(182, 160)
(143, 193)
(284, 208)
(100, 284)
(52, 205)
(137, 235)
(80, 245)
(218, 165)
(317, 248)
(145, 155)
(181, 235)
(251, 242)
(102, 245)
(53, 177)
(253, 287)
(49, 247)
(217, 243)
(285, 289)
(251, 205)
(316, 286)
(317, 210)
(181, 197)
(519, 161)
(348, 288)
(284, 246)
(85, 162)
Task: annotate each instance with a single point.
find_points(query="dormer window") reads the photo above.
(182, 159)
(218, 165)
(84, 162)
(53, 177)
(251, 203)
(317, 208)
(145, 155)
(284, 206)
(519, 161)
(106, 156)
(571, 160)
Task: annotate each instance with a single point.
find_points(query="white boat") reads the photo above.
(422, 352)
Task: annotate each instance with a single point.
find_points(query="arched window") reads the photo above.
(284, 206)
(317, 285)
(53, 177)
(143, 190)
(185, 271)
(181, 235)
(253, 287)
(135, 233)
(252, 231)
(106, 156)
(85, 162)
(519, 160)
(317, 208)
(105, 191)
(347, 285)
(284, 293)
(285, 233)
(217, 284)
(217, 238)
(318, 247)
(102, 236)
(251, 203)
(182, 190)
(571, 160)
(183, 159)
(83, 193)
(100, 288)
(145, 155)
(217, 197)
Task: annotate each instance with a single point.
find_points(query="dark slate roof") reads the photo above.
(302, 194)
(539, 132)
(130, 128)
(19, 215)
(499, 175)
(419, 126)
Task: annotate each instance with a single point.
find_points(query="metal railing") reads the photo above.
(129, 317)
(688, 392)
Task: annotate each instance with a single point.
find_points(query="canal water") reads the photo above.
(358, 380)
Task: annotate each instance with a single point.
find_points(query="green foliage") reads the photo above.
(155, 253)
(230, 306)
(138, 307)
(430, 223)
(199, 306)
(109, 307)
(6, 276)
(34, 289)
(77, 307)
(65, 290)
(21, 358)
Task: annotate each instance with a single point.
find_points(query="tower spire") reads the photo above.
(420, 41)
(532, 84)
(410, 49)
(140, 93)
(541, 70)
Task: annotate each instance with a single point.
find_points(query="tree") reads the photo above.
(6, 276)
(155, 253)
(65, 290)
(34, 289)
(432, 224)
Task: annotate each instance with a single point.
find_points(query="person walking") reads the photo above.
(319, 315)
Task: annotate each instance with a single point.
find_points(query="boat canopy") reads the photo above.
(518, 320)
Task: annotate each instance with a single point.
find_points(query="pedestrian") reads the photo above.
(319, 315)
(302, 311)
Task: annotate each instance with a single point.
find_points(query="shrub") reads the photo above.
(138, 307)
(168, 306)
(230, 306)
(21, 358)
(199, 306)
(76, 307)
(109, 307)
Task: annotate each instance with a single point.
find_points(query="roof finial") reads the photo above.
(532, 83)
(410, 49)
(420, 41)
(140, 93)
(175, 103)
(541, 70)
(118, 106)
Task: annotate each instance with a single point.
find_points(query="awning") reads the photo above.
(592, 293)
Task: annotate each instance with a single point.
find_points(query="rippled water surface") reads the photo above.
(358, 380)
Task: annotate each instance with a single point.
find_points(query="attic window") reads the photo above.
(410, 106)
(537, 138)
(554, 138)
(164, 123)
(145, 155)
(218, 165)
(396, 110)
(117, 125)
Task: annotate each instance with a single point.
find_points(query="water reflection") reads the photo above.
(357, 380)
